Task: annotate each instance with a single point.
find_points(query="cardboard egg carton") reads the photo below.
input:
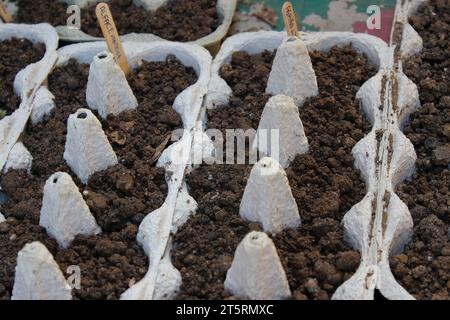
(87, 150)
(392, 226)
(27, 85)
(225, 9)
(380, 224)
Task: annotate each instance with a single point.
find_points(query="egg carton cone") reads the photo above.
(87, 149)
(292, 73)
(280, 133)
(268, 198)
(64, 213)
(108, 90)
(38, 277)
(256, 272)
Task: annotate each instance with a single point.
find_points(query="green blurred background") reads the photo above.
(331, 15)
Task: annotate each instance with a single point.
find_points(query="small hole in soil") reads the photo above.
(379, 296)
(102, 56)
(82, 115)
(3, 197)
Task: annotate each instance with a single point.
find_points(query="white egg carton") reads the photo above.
(391, 227)
(154, 233)
(377, 53)
(225, 9)
(380, 224)
(27, 82)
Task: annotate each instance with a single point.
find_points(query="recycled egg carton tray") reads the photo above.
(225, 9)
(380, 225)
(376, 227)
(27, 81)
(161, 279)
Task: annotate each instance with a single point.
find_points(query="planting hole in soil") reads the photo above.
(15, 55)
(118, 197)
(424, 267)
(177, 20)
(324, 183)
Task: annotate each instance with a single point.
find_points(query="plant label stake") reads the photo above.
(290, 19)
(4, 14)
(111, 36)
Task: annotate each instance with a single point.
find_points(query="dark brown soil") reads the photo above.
(247, 76)
(424, 268)
(179, 20)
(15, 55)
(323, 182)
(119, 197)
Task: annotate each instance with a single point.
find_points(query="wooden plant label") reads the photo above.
(4, 14)
(111, 36)
(290, 19)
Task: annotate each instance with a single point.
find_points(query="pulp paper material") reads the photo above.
(108, 90)
(280, 132)
(292, 73)
(64, 213)
(365, 222)
(27, 81)
(154, 232)
(87, 148)
(38, 276)
(256, 272)
(268, 198)
(43, 105)
(19, 158)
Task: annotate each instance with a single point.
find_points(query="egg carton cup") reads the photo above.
(26, 84)
(225, 9)
(154, 232)
(380, 224)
